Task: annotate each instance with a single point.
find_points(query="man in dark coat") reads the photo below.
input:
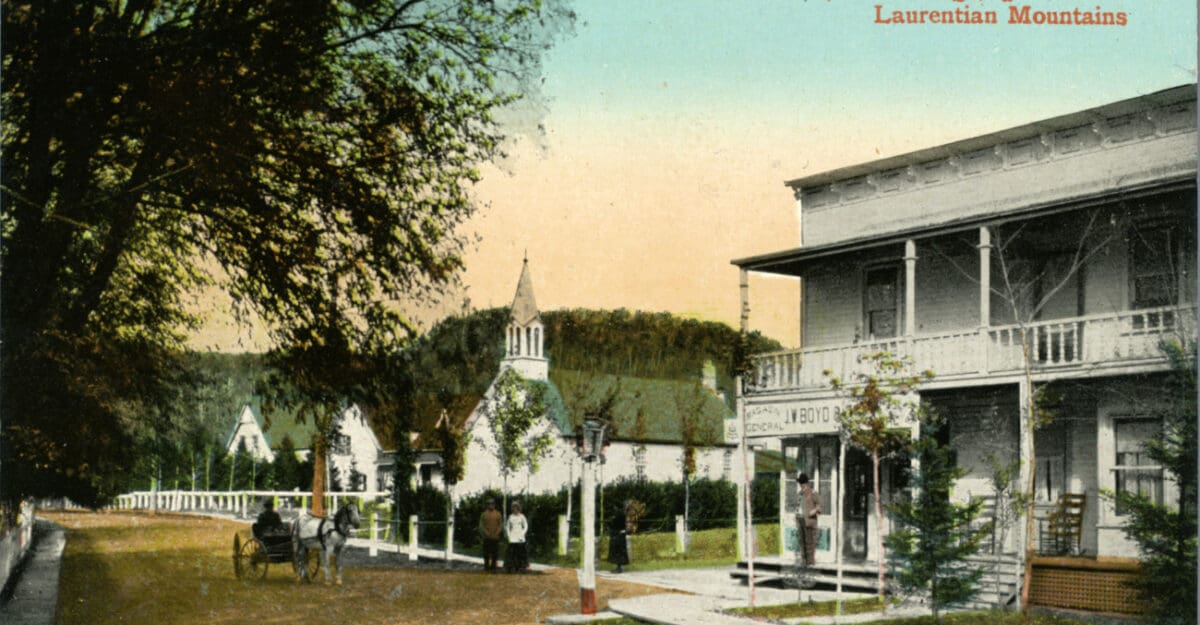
(810, 507)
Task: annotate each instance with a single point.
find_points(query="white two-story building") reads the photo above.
(1078, 230)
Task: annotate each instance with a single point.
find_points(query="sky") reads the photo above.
(672, 125)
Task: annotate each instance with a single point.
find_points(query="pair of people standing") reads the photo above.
(492, 526)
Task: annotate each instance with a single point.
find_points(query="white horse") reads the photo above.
(329, 536)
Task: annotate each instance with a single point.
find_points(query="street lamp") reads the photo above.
(590, 445)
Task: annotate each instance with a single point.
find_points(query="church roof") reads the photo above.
(645, 409)
(524, 306)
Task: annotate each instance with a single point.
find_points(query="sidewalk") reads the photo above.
(34, 600)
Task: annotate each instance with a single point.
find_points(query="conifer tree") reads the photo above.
(929, 550)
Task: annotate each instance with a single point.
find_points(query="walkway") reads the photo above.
(34, 600)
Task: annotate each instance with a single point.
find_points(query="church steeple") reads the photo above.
(525, 344)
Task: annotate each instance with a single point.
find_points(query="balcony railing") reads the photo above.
(1129, 337)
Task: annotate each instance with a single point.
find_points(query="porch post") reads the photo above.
(910, 287)
(985, 294)
(744, 291)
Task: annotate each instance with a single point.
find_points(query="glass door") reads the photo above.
(855, 504)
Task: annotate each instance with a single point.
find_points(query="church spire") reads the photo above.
(526, 335)
(524, 306)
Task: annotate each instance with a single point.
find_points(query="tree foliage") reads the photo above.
(882, 399)
(1166, 532)
(934, 537)
(312, 160)
(513, 414)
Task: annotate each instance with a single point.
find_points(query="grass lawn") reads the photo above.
(981, 618)
(651, 552)
(143, 569)
(809, 608)
(859, 606)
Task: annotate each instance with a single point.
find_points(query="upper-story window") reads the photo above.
(881, 314)
(340, 444)
(1153, 252)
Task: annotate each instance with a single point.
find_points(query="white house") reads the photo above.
(248, 434)
(1091, 213)
(354, 448)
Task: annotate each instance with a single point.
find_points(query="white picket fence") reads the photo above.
(375, 535)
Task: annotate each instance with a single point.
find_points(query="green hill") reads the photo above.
(655, 359)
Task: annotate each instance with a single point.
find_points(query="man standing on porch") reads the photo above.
(810, 507)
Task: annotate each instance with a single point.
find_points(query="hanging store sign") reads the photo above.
(810, 417)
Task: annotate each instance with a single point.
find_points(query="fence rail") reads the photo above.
(1127, 337)
(380, 529)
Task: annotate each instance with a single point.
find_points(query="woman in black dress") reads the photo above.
(618, 540)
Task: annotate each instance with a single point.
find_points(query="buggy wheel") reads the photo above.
(252, 561)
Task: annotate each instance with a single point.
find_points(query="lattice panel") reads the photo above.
(1081, 589)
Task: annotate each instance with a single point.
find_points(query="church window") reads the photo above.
(517, 341)
(529, 340)
(537, 341)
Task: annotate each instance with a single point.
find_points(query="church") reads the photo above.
(645, 437)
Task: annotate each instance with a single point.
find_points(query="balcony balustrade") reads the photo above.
(1089, 342)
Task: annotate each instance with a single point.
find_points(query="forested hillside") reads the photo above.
(451, 366)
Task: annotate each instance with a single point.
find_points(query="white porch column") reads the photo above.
(985, 295)
(739, 406)
(910, 287)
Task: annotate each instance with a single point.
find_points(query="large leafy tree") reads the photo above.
(310, 159)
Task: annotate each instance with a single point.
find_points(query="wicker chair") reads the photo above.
(1064, 525)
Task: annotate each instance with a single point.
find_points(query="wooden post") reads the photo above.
(413, 546)
(564, 534)
(680, 535)
(985, 296)
(910, 287)
(372, 549)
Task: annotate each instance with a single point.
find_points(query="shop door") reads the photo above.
(854, 506)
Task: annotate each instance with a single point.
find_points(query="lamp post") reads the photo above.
(590, 445)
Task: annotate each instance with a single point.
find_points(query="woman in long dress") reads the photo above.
(618, 540)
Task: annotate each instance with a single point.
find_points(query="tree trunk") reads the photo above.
(1031, 487)
(318, 485)
(879, 533)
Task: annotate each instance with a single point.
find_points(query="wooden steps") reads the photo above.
(999, 587)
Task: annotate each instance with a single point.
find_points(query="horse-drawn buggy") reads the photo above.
(305, 543)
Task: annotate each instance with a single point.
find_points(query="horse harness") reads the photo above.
(338, 521)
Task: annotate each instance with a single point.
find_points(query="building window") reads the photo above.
(880, 297)
(1136, 471)
(639, 462)
(1152, 255)
(426, 474)
(727, 464)
(340, 444)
